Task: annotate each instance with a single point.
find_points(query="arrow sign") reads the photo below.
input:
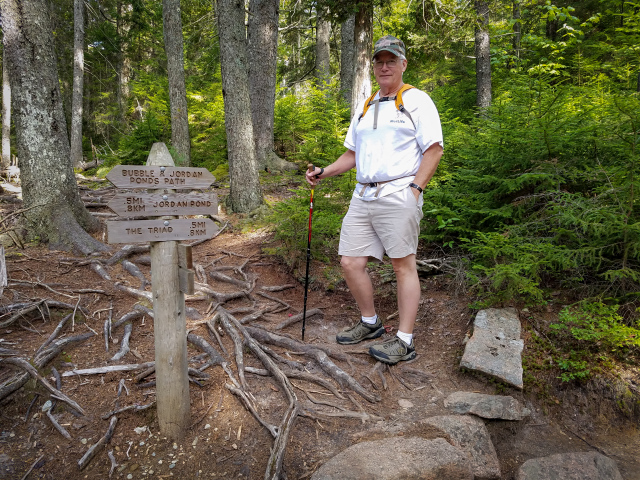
(152, 176)
(136, 231)
(156, 204)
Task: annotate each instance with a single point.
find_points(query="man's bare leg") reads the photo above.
(359, 283)
(408, 291)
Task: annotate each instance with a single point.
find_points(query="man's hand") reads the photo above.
(310, 175)
(416, 194)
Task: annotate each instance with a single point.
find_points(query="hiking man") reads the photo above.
(395, 143)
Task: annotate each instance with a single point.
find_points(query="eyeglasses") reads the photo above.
(390, 63)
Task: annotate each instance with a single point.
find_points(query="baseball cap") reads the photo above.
(391, 44)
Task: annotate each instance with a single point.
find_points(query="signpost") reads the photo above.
(171, 266)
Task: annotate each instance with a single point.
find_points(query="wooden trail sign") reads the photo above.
(157, 204)
(136, 231)
(153, 176)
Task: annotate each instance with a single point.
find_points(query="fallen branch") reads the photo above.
(221, 277)
(33, 465)
(126, 252)
(135, 408)
(58, 427)
(202, 344)
(277, 288)
(112, 368)
(24, 365)
(298, 318)
(95, 448)
(134, 293)
(124, 345)
(55, 332)
(135, 272)
(100, 270)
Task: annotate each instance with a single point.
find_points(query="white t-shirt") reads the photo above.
(393, 151)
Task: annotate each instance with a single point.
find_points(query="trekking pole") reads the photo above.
(310, 168)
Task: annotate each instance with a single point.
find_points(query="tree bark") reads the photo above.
(78, 83)
(363, 35)
(54, 209)
(245, 193)
(124, 59)
(347, 54)
(262, 39)
(172, 27)
(323, 35)
(6, 116)
(517, 30)
(483, 56)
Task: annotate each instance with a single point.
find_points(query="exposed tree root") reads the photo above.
(298, 318)
(95, 448)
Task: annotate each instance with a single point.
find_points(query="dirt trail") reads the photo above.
(225, 441)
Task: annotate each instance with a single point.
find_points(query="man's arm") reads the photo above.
(344, 163)
(428, 166)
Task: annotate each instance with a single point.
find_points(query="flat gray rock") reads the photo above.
(486, 406)
(495, 347)
(570, 466)
(398, 458)
(472, 437)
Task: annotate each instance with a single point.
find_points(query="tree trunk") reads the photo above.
(347, 54)
(323, 35)
(51, 200)
(172, 27)
(78, 83)
(263, 50)
(363, 34)
(124, 60)
(483, 57)
(245, 193)
(517, 30)
(6, 116)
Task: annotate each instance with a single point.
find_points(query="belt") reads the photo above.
(377, 184)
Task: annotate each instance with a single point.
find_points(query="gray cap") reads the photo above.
(391, 44)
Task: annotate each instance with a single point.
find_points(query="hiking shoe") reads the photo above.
(359, 332)
(393, 351)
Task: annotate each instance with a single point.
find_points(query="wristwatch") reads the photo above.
(417, 187)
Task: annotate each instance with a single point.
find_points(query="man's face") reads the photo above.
(388, 70)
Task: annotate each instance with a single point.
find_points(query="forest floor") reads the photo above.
(225, 440)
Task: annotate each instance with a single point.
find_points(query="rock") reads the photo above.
(495, 347)
(486, 406)
(404, 403)
(570, 466)
(472, 437)
(395, 458)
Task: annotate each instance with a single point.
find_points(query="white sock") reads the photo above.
(405, 337)
(370, 320)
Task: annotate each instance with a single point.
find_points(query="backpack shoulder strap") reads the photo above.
(400, 104)
(366, 104)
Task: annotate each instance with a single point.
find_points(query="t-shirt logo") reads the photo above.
(399, 117)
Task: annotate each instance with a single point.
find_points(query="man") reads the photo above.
(395, 153)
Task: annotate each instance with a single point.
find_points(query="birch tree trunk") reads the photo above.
(78, 83)
(172, 28)
(347, 54)
(123, 26)
(483, 56)
(6, 116)
(323, 35)
(245, 193)
(54, 211)
(363, 35)
(517, 29)
(262, 40)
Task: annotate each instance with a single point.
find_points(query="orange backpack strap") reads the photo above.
(400, 105)
(367, 103)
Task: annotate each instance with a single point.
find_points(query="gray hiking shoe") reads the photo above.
(393, 351)
(359, 332)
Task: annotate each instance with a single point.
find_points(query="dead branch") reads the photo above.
(274, 465)
(134, 292)
(135, 272)
(298, 318)
(126, 252)
(277, 288)
(112, 368)
(24, 365)
(343, 378)
(128, 317)
(272, 429)
(237, 343)
(144, 374)
(201, 275)
(55, 332)
(95, 448)
(114, 464)
(100, 270)
(107, 333)
(212, 330)
(214, 357)
(33, 465)
(58, 427)
(58, 378)
(135, 408)
(221, 277)
(16, 316)
(218, 296)
(124, 345)
(255, 315)
(275, 299)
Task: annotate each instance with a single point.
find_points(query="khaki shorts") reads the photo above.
(389, 224)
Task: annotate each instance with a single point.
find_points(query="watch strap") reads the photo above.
(417, 187)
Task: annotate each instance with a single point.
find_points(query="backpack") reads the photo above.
(397, 98)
